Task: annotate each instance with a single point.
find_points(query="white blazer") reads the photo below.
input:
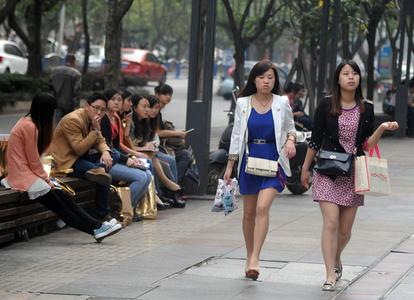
(283, 122)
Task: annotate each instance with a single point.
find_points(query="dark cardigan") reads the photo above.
(325, 133)
(113, 142)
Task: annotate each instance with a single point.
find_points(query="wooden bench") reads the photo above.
(21, 218)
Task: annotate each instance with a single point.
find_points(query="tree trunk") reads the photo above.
(346, 53)
(86, 33)
(33, 16)
(372, 30)
(7, 9)
(113, 40)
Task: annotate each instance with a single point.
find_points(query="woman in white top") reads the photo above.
(265, 119)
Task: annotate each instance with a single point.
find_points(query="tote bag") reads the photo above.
(371, 175)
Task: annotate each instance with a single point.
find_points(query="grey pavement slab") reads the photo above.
(193, 253)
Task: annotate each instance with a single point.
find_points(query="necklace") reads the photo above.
(266, 103)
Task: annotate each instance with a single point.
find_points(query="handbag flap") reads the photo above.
(342, 157)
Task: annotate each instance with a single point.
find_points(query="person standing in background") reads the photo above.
(66, 82)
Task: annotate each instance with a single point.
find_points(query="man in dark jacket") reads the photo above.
(66, 82)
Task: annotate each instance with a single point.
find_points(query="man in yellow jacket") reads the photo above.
(78, 144)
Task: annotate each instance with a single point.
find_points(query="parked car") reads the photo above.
(96, 58)
(12, 59)
(142, 63)
(227, 84)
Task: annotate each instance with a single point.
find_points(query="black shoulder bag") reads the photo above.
(332, 163)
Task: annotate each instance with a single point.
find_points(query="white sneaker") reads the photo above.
(60, 223)
(106, 230)
(111, 222)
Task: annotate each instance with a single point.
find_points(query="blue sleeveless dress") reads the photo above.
(261, 126)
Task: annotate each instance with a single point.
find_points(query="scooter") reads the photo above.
(218, 158)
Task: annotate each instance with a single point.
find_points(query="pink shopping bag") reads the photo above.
(371, 175)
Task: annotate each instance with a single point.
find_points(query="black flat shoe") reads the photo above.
(179, 203)
(163, 206)
(167, 200)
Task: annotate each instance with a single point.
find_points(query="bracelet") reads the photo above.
(233, 157)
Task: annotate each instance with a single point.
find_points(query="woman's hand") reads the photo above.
(389, 126)
(227, 175)
(304, 178)
(290, 149)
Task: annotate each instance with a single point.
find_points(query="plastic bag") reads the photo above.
(225, 198)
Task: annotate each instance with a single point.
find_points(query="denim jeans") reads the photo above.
(84, 164)
(139, 180)
(183, 160)
(171, 163)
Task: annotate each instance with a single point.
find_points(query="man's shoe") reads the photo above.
(107, 229)
(99, 176)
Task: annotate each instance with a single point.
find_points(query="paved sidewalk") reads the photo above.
(193, 253)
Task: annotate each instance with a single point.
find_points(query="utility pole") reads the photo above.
(200, 84)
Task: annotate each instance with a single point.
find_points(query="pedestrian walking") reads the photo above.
(29, 139)
(264, 124)
(344, 122)
(66, 82)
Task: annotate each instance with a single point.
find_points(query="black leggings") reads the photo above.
(71, 213)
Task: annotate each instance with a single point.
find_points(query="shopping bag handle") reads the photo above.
(377, 151)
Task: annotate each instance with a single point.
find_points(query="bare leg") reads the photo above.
(249, 216)
(264, 203)
(330, 214)
(346, 221)
(168, 183)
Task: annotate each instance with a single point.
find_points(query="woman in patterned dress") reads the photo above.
(267, 119)
(344, 122)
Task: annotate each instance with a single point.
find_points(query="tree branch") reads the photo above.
(262, 22)
(5, 11)
(17, 28)
(245, 15)
(232, 21)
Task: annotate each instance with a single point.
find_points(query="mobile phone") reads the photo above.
(189, 130)
(128, 113)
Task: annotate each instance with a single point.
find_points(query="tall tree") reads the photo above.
(244, 32)
(86, 34)
(374, 9)
(113, 39)
(31, 36)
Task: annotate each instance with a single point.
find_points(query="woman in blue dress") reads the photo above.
(263, 122)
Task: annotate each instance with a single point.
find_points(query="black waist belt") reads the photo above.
(261, 141)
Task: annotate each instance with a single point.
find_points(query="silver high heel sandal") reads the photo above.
(338, 273)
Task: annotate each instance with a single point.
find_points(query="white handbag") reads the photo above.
(259, 166)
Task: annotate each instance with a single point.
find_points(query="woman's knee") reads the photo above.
(344, 233)
(262, 210)
(330, 224)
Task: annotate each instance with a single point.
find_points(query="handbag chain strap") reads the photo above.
(247, 127)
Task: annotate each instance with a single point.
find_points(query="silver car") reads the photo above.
(227, 84)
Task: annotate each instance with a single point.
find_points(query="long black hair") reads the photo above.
(260, 68)
(42, 112)
(141, 127)
(336, 89)
(153, 122)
